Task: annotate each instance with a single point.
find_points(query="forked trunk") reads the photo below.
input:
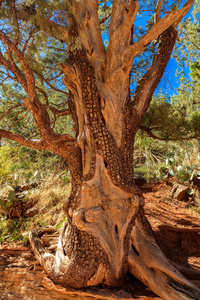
(107, 233)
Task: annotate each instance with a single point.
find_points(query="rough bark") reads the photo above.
(107, 234)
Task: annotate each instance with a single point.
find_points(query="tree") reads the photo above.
(181, 110)
(107, 233)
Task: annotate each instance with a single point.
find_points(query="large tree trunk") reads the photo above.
(107, 233)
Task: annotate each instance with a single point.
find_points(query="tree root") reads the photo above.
(188, 273)
(74, 263)
(148, 263)
(145, 260)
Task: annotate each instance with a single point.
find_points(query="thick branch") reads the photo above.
(29, 75)
(119, 12)
(86, 15)
(35, 144)
(122, 18)
(59, 112)
(129, 20)
(12, 67)
(149, 81)
(157, 29)
(158, 10)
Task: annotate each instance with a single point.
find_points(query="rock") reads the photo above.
(179, 191)
(47, 229)
(31, 211)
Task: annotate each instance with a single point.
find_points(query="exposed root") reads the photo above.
(70, 266)
(188, 273)
(148, 263)
(107, 235)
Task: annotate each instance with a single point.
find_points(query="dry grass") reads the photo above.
(49, 198)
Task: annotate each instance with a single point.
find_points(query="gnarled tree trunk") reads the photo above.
(107, 233)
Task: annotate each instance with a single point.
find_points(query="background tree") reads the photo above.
(179, 104)
(107, 233)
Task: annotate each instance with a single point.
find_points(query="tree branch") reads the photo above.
(13, 124)
(122, 19)
(26, 42)
(173, 18)
(151, 134)
(49, 84)
(158, 10)
(8, 110)
(104, 19)
(44, 93)
(53, 29)
(187, 37)
(35, 144)
(59, 112)
(14, 12)
(29, 75)
(12, 67)
(149, 81)
(86, 16)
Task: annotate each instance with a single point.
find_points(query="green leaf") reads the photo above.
(163, 176)
(182, 175)
(8, 204)
(29, 175)
(163, 170)
(3, 206)
(11, 196)
(16, 182)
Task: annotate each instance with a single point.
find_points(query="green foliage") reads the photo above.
(11, 195)
(195, 121)
(66, 177)
(195, 70)
(183, 173)
(19, 164)
(173, 120)
(10, 229)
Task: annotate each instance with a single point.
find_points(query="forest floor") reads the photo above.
(176, 229)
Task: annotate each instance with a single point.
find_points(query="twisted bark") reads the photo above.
(107, 234)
